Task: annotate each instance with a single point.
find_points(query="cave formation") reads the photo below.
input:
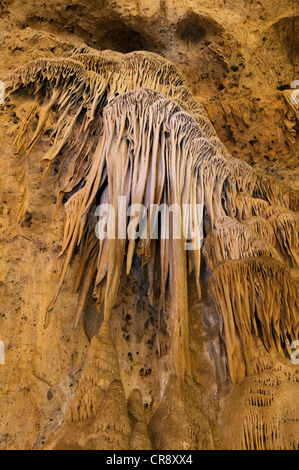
(104, 124)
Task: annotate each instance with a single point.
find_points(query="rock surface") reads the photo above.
(100, 386)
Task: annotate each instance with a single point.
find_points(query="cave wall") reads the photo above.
(237, 61)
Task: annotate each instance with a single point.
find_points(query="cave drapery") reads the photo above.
(128, 125)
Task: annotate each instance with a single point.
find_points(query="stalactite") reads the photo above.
(286, 226)
(256, 296)
(234, 240)
(78, 86)
(262, 227)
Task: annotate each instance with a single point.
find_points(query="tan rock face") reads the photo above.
(143, 345)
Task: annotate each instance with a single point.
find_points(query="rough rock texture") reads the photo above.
(145, 347)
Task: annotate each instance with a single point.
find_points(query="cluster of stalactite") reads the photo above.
(262, 413)
(256, 297)
(128, 125)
